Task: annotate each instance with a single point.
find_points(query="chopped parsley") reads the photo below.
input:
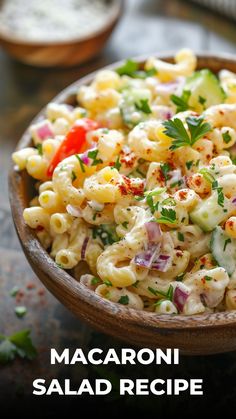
(73, 176)
(93, 155)
(135, 284)
(227, 241)
(177, 183)
(107, 282)
(124, 299)
(106, 233)
(80, 162)
(180, 236)
(143, 106)
(14, 291)
(168, 295)
(131, 68)
(117, 165)
(95, 281)
(175, 129)
(18, 344)
(181, 101)
(207, 278)
(40, 148)
(226, 137)
(219, 190)
(20, 311)
(125, 224)
(165, 169)
(180, 277)
(201, 100)
(189, 164)
(168, 215)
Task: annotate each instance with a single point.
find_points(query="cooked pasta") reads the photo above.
(139, 181)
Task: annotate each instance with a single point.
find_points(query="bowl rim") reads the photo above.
(116, 11)
(72, 287)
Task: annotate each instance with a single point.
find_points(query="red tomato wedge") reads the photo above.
(73, 143)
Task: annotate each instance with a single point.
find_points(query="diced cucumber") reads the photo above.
(223, 249)
(130, 106)
(205, 90)
(208, 213)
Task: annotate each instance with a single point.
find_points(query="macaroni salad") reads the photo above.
(139, 181)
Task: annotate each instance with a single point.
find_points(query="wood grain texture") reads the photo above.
(199, 334)
(61, 54)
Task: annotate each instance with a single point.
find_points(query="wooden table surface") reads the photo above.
(147, 26)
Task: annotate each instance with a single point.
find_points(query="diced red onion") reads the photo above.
(153, 231)
(84, 247)
(179, 298)
(234, 200)
(74, 211)
(162, 263)
(146, 257)
(85, 159)
(45, 131)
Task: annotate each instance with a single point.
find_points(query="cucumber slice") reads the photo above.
(223, 249)
(208, 213)
(204, 90)
(129, 106)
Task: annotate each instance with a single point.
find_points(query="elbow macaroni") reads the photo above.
(152, 214)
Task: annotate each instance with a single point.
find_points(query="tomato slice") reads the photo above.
(73, 143)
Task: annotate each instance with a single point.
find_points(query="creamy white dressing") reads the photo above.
(54, 20)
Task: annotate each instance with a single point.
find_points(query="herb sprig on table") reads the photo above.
(17, 344)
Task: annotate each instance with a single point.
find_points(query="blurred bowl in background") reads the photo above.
(57, 50)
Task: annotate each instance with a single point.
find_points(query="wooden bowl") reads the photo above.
(62, 54)
(198, 334)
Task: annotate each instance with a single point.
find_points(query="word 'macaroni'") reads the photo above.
(97, 356)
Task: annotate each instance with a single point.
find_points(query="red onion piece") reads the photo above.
(74, 211)
(162, 263)
(45, 131)
(84, 247)
(234, 200)
(180, 297)
(146, 257)
(153, 231)
(85, 159)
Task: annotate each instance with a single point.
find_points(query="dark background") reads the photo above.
(147, 27)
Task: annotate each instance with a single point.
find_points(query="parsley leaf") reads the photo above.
(208, 278)
(117, 165)
(80, 162)
(176, 130)
(143, 106)
(124, 299)
(219, 190)
(165, 169)
(180, 236)
(125, 224)
(106, 233)
(131, 68)
(189, 164)
(181, 101)
(226, 137)
(167, 216)
(14, 291)
(93, 155)
(95, 281)
(168, 295)
(73, 176)
(201, 100)
(17, 344)
(107, 282)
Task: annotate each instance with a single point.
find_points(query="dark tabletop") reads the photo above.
(148, 26)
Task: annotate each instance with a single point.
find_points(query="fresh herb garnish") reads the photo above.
(175, 129)
(40, 148)
(177, 183)
(227, 241)
(165, 169)
(201, 100)
(117, 165)
(106, 233)
(131, 68)
(124, 299)
(93, 155)
(168, 295)
(20, 311)
(169, 201)
(143, 106)
(181, 101)
(59, 265)
(80, 162)
(14, 291)
(107, 282)
(189, 164)
(73, 176)
(125, 224)
(18, 344)
(219, 190)
(180, 236)
(95, 281)
(208, 278)
(168, 215)
(226, 137)
(135, 284)
(180, 277)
